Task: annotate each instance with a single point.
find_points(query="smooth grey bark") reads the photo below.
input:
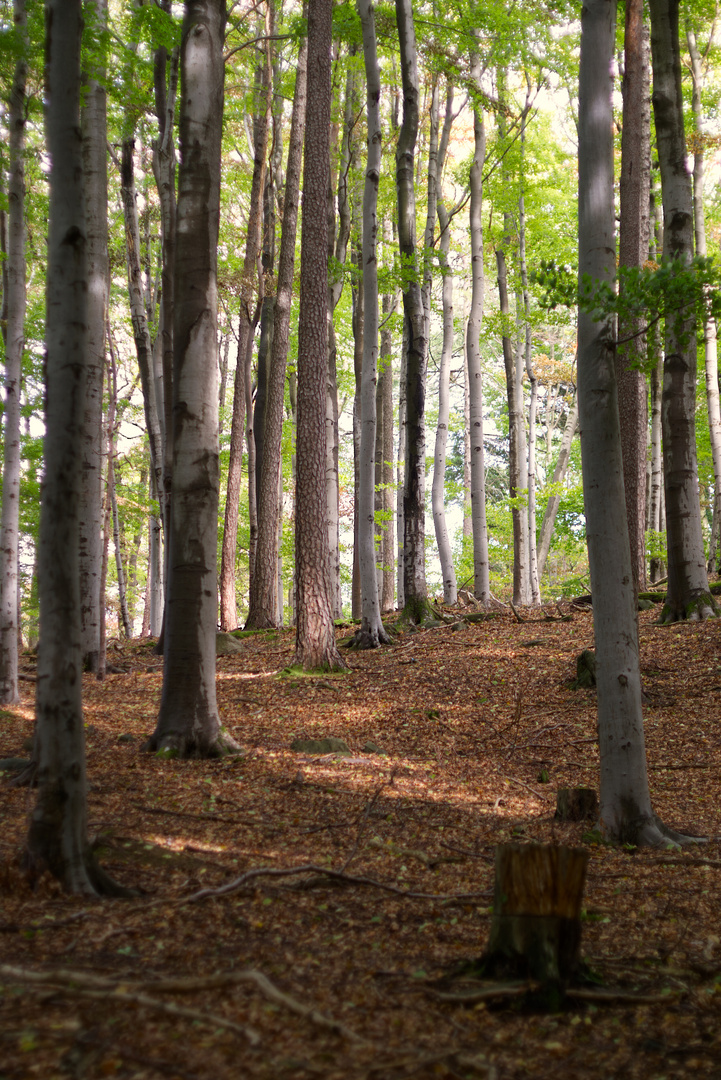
(515, 443)
(415, 601)
(633, 252)
(559, 474)
(263, 610)
(246, 326)
(626, 813)
(188, 723)
(530, 460)
(445, 553)
(386, 586)
(315, 632)
(138, 314)
(14, 339)
(709, 326)
(57, 837)
(481, 569)
(371, 633)
(95, 166)
(337, 253)
(165, 78)
(688, 595)
(358, 321)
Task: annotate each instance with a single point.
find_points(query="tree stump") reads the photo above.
(536, 927)
(576, 804)
(585, 671)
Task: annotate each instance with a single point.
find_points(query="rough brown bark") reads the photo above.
(315, 634)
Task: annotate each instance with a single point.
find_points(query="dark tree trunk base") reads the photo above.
(696, 610)
(536, 927)
(369, 639)
(179, 744)
(576, 804)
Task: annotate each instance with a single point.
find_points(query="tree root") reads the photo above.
(185, 744)
(94, 986)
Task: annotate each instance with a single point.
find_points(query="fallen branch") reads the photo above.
(513, 780)
(624, 997)
(310, 868)
(266, 987)
(92, 986)
(472, 997)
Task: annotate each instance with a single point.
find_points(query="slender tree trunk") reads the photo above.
(450, 593)
(688, 595)
(633, 252)
(481, 575)
(559, 474)
(709, 326)
(385, 389)
(358, 323)
(117, 544)
(263, 603)
(164, 168)
(57, 837)
(656, 521)
(188, 723)
(95, 166)
(371, 632)
(141, 332)
(315, 635)
(530, 478)
(246, 327)
(414, 571)
(14, 335)
(515, 420)
(626, 814)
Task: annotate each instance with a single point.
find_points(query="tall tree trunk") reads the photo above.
(337, 252)
(530, 484)
(559, 474)
(515, 421)
(14, 335)
(450, 592)
(188, 723)
(57, 837)
(164, 167)
(414, 570)
(481, 575)
(315, 633)
(656, 520)
(626, 813)
(709, 326)
(141, 332)
(688, 595)
(263, 600)
(385, 397)
(117, 544)
(371, 632)
(633, 252)
(246, 327)
(358, 323)
(95, 166)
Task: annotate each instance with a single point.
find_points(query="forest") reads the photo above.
(352, 407)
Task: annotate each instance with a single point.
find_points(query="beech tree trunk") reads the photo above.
(445, 553)
(633, 252)
(559, 475)
(14, 336)
(263, 600)
(414, 570)
(315, 632)
(371, 633)
(385, 397)
(481, 575)
(626, 813)
(246, 327)
(188, 724)
(57, 837)
(709, 326)
(688, 595)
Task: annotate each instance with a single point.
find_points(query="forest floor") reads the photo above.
(293, 977)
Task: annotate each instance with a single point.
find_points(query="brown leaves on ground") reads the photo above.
(306, 975)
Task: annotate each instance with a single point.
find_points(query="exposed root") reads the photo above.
(186, 744)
